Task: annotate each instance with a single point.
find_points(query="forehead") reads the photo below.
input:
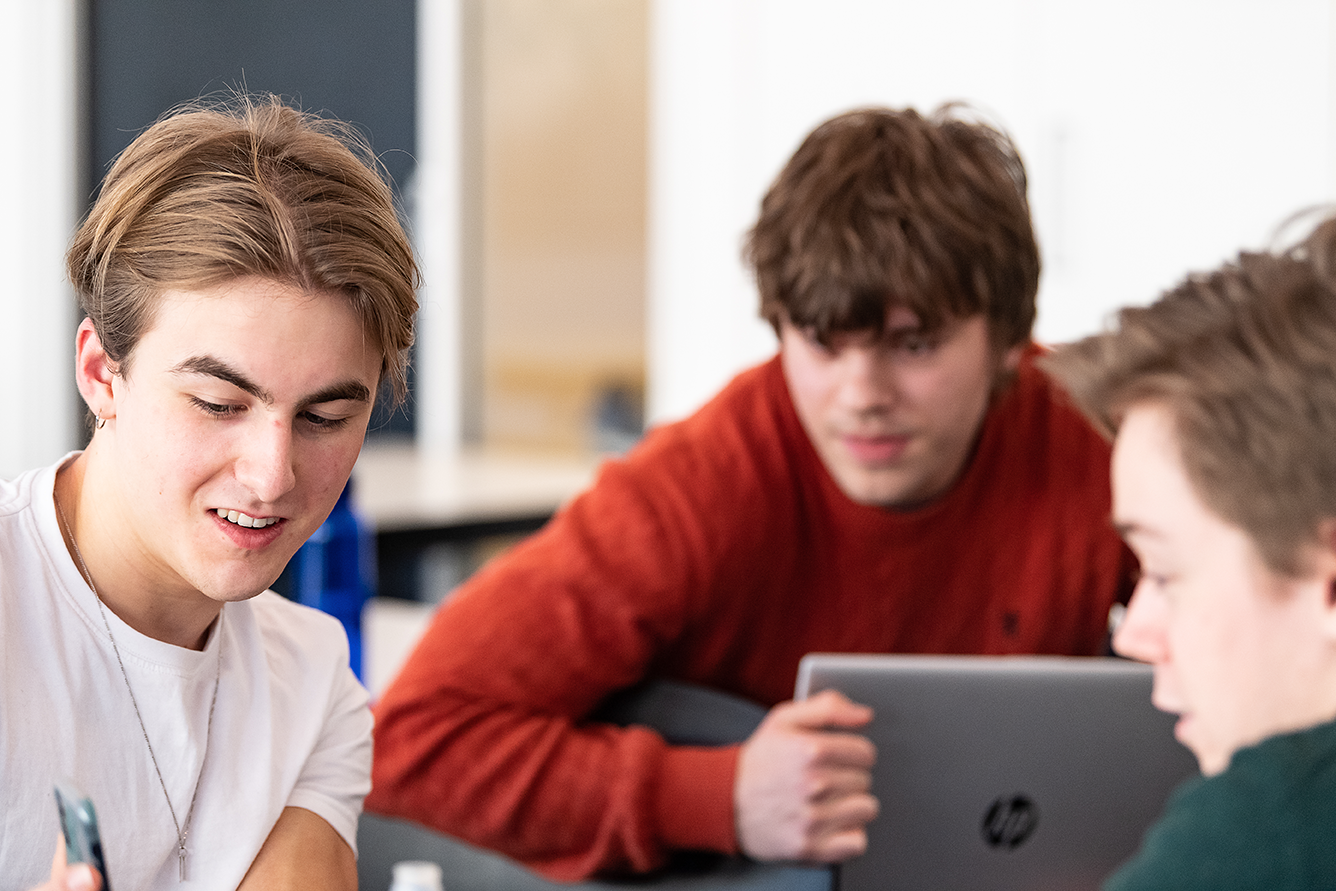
(264, 325)
(181, 312)
(248, 294)
(1147, 473)
(1154, 500)
(901, 317)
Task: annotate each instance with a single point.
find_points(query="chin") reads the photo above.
(1212, 763)
(870, 496)
(241, 587)
(867, 489)
(236, 595)
(888, 497)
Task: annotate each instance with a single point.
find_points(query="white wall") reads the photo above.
(1160, 135)
(37, 151)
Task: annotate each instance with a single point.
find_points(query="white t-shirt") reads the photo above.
(291, 726)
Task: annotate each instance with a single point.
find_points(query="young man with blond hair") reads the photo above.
(247, 289)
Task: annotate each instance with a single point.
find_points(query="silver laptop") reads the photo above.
(1005, 772)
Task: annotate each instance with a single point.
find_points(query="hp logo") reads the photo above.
(1009, 821)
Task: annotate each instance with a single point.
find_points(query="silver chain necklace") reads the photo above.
(182, 830)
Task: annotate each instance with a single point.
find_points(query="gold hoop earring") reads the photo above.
(101, 422)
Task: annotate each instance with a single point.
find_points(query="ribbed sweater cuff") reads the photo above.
(695, 799)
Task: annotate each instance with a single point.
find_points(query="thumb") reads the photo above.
(81, 877)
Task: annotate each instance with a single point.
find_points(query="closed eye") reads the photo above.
(320, 422)
(1156, 581)
(213, 408)
(915, 343)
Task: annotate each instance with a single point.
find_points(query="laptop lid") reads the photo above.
(1004, 772)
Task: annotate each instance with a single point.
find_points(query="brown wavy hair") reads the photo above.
(1244, 359)
(241, 186)
(882, 207)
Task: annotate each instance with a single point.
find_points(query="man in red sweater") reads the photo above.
(899, 478)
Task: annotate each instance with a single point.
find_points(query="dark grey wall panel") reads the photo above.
(353, 60)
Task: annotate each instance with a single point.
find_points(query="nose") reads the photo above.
(264, 462)
(868, 382)
(1141, 634)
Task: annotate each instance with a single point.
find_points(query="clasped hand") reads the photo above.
(803, 782)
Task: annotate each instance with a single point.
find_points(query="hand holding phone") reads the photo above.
(78, 823)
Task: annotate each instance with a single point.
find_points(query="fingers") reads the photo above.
(839, 829)
(813, 723)
(833, 783)
(826, 831)
(828, 708)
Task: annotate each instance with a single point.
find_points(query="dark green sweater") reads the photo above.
(1267, 822)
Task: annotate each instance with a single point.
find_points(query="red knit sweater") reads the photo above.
(720, 552)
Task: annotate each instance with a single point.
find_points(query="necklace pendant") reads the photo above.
(181, 860)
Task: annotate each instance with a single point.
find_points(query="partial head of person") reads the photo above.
(1221, 398)
(896, 260)
(248, 288)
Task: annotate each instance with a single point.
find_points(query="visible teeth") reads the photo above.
(246, 520)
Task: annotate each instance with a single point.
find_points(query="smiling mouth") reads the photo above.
(245, 520)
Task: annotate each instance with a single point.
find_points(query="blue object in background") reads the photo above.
(335, 571)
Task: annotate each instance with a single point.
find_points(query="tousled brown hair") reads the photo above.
(245, 186)
(1244, 359)
(880, 207)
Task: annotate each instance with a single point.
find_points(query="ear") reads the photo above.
(94, 371)
(1010, 360)
(1324, 564)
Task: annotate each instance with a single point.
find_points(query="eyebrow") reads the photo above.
(209, 366)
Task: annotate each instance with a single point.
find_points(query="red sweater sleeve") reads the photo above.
(482, 734)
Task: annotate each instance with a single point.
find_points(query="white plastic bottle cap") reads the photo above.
(416, 875)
